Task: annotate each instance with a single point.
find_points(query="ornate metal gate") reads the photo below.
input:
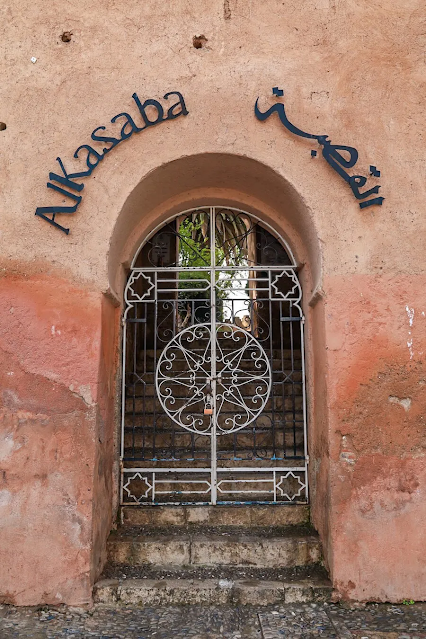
(213, 397)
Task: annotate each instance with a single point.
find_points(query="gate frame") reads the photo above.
(213, 465)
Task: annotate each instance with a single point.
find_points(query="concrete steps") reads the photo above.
(229, 347)
(189, 587)
(146, 405)
(214, 547)
(214, 555)
(143, 438)
(251, 516)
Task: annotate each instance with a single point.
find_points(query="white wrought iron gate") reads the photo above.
(213, 396)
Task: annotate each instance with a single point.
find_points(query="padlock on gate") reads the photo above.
(208, 409)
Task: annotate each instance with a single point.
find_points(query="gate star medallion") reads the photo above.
(221, 386)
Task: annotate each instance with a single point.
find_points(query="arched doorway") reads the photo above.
(213, 393)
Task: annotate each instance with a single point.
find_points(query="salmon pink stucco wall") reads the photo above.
(353, 69)
(376, 345)
(50, 342)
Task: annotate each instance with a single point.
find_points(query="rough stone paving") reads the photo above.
(372, 621)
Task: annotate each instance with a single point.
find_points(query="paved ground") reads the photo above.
(201, 622)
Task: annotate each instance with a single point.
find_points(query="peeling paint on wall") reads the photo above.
(405, 402)
(410, 313)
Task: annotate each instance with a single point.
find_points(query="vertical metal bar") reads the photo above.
(145, 306)
(213, 353)
(235, 436)
(143, 434)
(293, 398)
(275, 485)
(172, 441)
(271, 358)
(175, 315)
(123, 388)
(135, 357)
(302, 352)
(154, 401)
(283, 376)
(192, 445)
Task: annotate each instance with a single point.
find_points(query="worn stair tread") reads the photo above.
(150, 592)
(297, 546)
(312, 575)
(214, 533)
(252, 516)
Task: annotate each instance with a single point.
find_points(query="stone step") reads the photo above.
(148, 389)
(292, 382)
(285, 361)
(134, 459)
(280, 369)
(217, 587)
(265, 548)
(143, 438)
(206, 516)
(229, 347)
(150, 404)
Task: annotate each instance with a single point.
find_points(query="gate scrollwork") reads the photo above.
(193, 390)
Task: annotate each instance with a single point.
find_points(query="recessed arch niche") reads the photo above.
(227, 180)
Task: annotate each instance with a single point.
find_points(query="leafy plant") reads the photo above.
(195, 251)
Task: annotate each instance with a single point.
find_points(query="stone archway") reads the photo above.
(240, 182)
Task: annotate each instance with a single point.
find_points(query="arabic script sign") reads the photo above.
(150, 113)
(338, 157)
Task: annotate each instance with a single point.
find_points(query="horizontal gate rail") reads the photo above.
(287, 485)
